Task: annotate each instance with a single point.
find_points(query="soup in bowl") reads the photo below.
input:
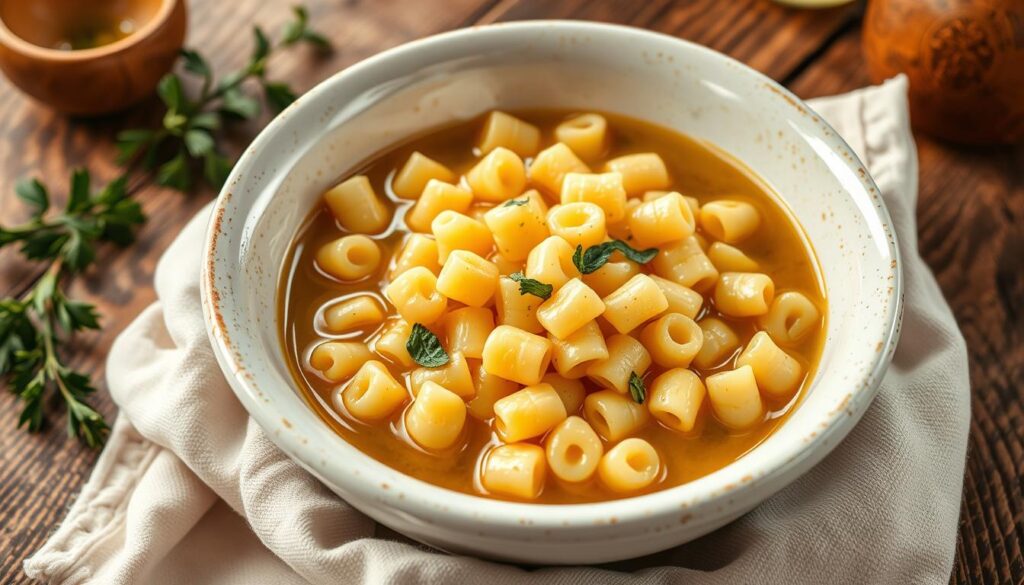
(507, 304)
(580, 329)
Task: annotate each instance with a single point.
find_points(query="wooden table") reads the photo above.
(971, 215)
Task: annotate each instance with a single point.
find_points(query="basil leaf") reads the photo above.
(597, 256)
(636, 388)
(516, 202)
(638, 256)
(425, 348)
(529, 286)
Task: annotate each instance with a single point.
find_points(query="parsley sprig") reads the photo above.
(35, 327)
(597, 256)
(187, 138)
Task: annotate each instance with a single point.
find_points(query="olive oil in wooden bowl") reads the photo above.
(88, 58)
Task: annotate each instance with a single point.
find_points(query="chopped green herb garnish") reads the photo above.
(597, 256)
(529, 286)
(636, 388)
(425, 348)
(516, 202)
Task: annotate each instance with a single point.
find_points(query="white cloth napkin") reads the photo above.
(190, 490)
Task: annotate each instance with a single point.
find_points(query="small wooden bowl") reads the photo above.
(90, 81)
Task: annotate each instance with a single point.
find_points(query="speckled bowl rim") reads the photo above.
(713, 495)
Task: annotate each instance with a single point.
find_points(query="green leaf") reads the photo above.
(238, 104)
(425, 348)
(529, 286)
(279, 95)
(597, 256)
(81, 315)
(231, 80)
(262, 48)
(17, 332)
(636, 388)
(316, 39)
(206, 121)
(298, 30)
(83, 421)
(43, 292)
(32, 192)
(78, 252)
(294, 30)
(78, 199)
(129, 142)
(198, 142)
(32, 412)
(516, 202)
(195, 63)
(152, 155)
(169, 90)
(174, 122)
(216, 168)
(175, 173)
(87, 424)
(114, 191)
(43, 245)
(116, 223)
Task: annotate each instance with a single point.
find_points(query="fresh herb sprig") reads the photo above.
(637, 389)
(530, 286)
(35, 327)
(516, 202)
(425, 348)
(190, 126)
(597, 256)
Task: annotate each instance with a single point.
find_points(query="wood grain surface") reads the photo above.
(971, 215)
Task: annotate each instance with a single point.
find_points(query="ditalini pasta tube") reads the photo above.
(573, 450)
(528, 413)
(349, 258)
(629, 466)
(356, 207)
(550, 167)
(514, 470)
(735, 398)
(372, 393)
(778, 375)
(436, 417)
(613, 415)
(413, 177)
(516, 355)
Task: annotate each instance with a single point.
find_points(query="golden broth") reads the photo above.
(696, 169)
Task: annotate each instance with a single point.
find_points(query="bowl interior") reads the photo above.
(692, 90)
(67, 24)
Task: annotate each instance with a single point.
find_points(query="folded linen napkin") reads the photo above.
(190, 490)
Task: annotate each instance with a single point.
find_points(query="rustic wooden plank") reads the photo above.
(971, 233)
(767, 36)
(39, 474)
(974, 196)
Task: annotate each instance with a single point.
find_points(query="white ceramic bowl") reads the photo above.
(459, 75)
